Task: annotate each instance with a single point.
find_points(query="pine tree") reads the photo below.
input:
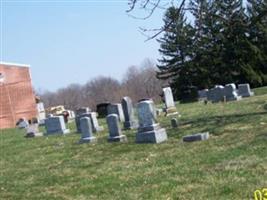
(175, 47)
(257, 14)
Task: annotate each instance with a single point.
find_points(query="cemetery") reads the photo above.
(210, 150)
(93, 121)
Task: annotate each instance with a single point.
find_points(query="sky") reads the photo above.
(68, 42)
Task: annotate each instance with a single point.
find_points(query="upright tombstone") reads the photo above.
(82, 110)
(33, 131)
(116, 109)
(216, 94)
(41, 112)
(128, 111)
(169, 102)
(55, 125)
(174, 123)
(94, 122)
(102, 109)
(149, 130)
(244, 90)
(202, 94)
(230, 92)
(87, 132)
(22, 123)
(114, 129)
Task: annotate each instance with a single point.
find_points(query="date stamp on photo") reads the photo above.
(260, 194)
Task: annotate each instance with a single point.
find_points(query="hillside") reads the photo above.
(232, 164)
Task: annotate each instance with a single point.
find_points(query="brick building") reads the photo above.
(17, 99)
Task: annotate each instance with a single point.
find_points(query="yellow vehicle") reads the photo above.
(56, 110)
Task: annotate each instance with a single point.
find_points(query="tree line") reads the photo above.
(137, 83)
(209, 42)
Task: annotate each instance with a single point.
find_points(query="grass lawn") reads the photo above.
(232, 164)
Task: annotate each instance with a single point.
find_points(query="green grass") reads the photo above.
(260, 91)
(232, 164)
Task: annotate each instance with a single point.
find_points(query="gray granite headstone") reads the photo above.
(116, 109)
(169, 102)
(230, 92)
(94, 122)
(244, 90)
(128, 111)
(55, 125)
(216, 94)
(86, 129)
(82, 110)
(149, 130)
(202, 94)
(174, 123)
(22, 123)
(196, 137)
(114, 129)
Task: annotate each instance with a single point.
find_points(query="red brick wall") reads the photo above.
(17, 97)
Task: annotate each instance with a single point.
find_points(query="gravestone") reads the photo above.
(169, 102)
(33, 131)
(244, 90)
(41, 112)
(216, 94)
(102, 109)
(128, 111)
(116, 109)
(230, 92)
(94, 122)
(196, 137)
(55, 125)
(149, 130)
(174, 123)
(86, 130)
(22, 123)
(114, 129)
(202, 94)
(82, 110)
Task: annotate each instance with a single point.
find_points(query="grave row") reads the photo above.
(228, 92)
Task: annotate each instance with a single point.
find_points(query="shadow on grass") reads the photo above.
(214, 123)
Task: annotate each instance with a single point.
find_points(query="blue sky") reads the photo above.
(74, 41)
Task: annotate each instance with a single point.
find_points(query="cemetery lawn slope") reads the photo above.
(232, 164)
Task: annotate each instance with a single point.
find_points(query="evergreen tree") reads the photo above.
(257, 13)
(175, 47)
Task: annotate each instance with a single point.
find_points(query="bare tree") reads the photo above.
(150, 6)
(141, 82)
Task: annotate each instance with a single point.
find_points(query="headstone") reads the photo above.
(33, 131)
(216, 94)
(196, 137)
(114, 129)
(56, 125)
(116, 109)
(87, 132)
(174, 123)
(50, 115)
(102, 109)
(169, 102)
(82, 110)
(149, 130)
(94, 122)
(244, 90)
(128, 110)
(202, 94)
(41, 112)
(22, 123)
(230, 92)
